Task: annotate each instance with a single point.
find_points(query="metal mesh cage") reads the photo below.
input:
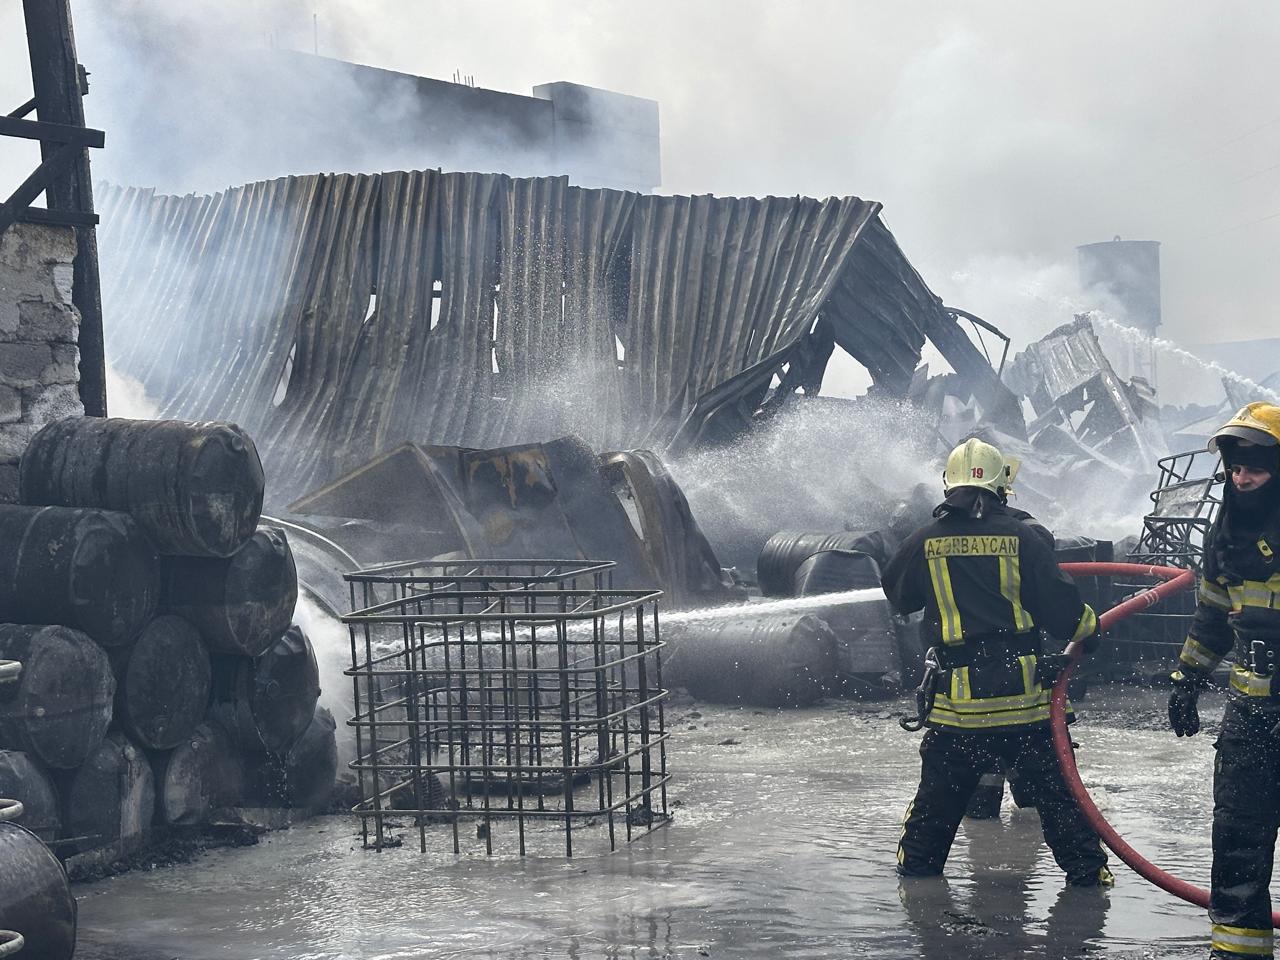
(522, 689)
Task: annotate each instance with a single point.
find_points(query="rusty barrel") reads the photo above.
(59, 708)
(26, 780)
(195, 488)
(162, 683)
(241, 603)
(784, 552)
(198, 777)
(110, 799)
(266, 702)
(89, 569)
(35, 898)
(304, 777)
(769, 660)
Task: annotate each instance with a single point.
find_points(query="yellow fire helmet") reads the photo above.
(1258, 423)
(977, 464)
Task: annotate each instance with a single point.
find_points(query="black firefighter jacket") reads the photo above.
(1239, 606)
(988, 586)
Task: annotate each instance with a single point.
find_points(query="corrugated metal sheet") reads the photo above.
(499, 307)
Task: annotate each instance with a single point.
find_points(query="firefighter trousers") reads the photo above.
(1246, 812)
(952, 762)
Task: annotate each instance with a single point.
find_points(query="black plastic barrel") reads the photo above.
(89, 569)
(866, 632)
(26, 781)
(1095, 591)
(162, 683)
(265, 703)
(195, 488)
(110, 800)
(60, 706)
(304, 777)
(766, 660)
(241, 603)
(203, 774)
(35, 898)
(784, 552)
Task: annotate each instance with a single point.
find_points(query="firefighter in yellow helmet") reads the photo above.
(1239, 607)
(989, 585)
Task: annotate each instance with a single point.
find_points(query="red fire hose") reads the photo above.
(1172, 580)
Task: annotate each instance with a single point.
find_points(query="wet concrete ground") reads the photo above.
(782, 845)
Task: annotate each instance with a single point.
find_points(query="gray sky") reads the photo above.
(998, 135)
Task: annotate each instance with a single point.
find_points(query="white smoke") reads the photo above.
(331, 643)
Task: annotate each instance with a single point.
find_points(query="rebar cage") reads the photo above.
(506, 689)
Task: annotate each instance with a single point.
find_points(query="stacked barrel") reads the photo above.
(161, 681)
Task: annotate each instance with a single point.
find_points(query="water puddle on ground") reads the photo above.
(782, 846)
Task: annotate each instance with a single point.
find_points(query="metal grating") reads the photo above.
(519, 690)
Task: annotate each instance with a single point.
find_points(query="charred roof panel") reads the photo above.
(335, 316)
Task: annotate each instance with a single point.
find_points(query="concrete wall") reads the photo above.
(274, 113)
(604, 139)
(39, 328)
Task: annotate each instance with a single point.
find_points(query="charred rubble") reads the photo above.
(459, 365)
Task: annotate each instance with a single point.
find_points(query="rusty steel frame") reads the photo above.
(505, 689)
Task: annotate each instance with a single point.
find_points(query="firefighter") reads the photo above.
(1238, 605)
(988, 583)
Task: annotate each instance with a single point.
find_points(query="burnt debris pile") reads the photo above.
(158, 682)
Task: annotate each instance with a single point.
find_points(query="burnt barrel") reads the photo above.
(266, 702)
(767, 660)
(26, 781)
(866, 631)
(35, 898)
(239, 603)
(89, 569)
(304, 777)
(110, 800)
(162, 683)
(59, 708)
(201, 775)
(783, 553)
(195, 488)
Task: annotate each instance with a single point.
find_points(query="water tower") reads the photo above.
(1123, 276)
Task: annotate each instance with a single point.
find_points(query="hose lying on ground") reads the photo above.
(1173, 581)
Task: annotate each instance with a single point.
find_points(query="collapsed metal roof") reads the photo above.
(335, 316)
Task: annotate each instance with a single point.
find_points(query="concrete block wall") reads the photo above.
(39, 330)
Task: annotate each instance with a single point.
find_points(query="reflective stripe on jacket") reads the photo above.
(992, 578)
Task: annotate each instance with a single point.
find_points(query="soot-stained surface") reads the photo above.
(782, 846)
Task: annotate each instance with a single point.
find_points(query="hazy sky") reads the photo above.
(998, 135)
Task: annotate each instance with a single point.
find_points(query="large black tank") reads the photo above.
(35, 898)
(162, 683)
(201, 775)
(265, 703)
(60, 706)
(785, 551)
(771, 660)
(89, 569)
(866, 631)
(239, 603)
(26, 781)
(195, 488)
(109, 800)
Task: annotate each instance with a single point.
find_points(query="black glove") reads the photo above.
(1184, 718)
(1049, 667)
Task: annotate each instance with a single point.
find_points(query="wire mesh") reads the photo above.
(517, 689)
